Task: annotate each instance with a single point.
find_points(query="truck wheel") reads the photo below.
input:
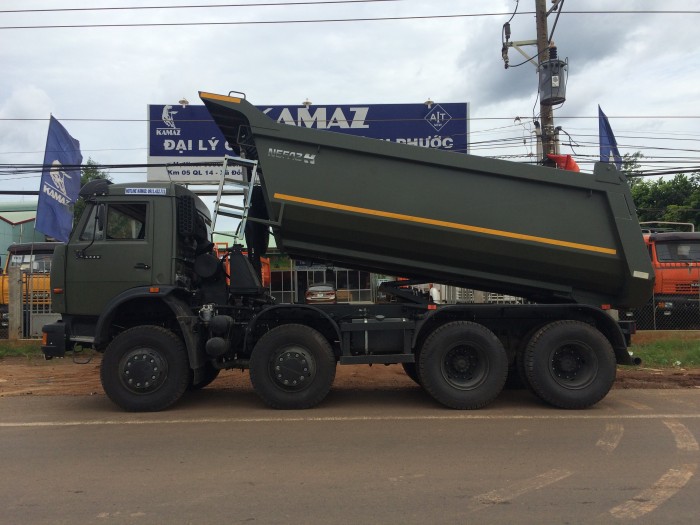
(292, 367)
(570, 364)
(145, 369)
(463, 365)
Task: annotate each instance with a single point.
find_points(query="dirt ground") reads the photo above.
(20, 376)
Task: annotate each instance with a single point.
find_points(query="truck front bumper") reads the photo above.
(53, 341)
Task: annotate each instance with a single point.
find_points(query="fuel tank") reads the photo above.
(541, 233)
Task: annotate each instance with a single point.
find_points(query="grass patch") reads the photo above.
(668, 353)
(21, 348)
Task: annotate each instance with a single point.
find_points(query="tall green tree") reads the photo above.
(673, 200)
(90, 171)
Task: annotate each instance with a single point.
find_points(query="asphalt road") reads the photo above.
(361, 457)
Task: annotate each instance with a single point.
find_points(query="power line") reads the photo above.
(324, 20)
(193, 6)
(252, 22)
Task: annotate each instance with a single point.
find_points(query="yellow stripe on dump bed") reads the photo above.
(222, 98)
(444, 224)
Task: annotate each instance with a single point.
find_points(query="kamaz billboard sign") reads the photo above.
(179, 135)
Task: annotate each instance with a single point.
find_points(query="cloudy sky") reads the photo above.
(642, 67)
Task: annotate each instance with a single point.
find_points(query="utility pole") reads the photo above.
(546, 113)
(551, 72)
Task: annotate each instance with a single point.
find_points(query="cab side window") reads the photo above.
(116, 222)
(126, 221)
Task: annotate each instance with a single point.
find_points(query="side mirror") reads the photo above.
(100, 217)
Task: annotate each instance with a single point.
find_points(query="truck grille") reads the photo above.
(687, 288)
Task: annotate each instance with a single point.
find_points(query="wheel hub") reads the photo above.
(143, 370)
(463, 368)
(461, 364)
(567, 363)
(293, 369)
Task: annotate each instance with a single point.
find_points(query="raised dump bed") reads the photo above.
(542, 233)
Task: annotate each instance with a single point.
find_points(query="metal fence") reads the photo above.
(669, 311)
(34, 294)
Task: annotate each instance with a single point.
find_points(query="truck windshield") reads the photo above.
(38, 262)
(678, 251)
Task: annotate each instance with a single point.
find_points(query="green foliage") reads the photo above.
(90, 171)
(674, 200)
(631, 167)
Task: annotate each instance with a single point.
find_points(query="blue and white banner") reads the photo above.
(187, 134)
(60, 183)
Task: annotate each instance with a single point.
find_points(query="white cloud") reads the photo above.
(630, 64)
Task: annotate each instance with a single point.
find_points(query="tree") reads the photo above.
(90, 171)
(672, 200)
(631, 167)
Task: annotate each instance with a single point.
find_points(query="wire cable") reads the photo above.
(193, 6)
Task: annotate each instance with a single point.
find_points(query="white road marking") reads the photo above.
(612, 437)
(507, 494)
(648, 500)
(684, 438)
(331, 419)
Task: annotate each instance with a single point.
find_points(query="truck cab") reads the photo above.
(130, 258)
(675, 257)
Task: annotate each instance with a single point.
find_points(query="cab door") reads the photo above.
(111, 253)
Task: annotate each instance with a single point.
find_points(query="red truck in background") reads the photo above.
(674, 249)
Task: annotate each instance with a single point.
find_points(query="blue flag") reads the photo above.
(608, 144)
(60, 183)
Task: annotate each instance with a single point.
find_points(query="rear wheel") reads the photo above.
(463, 365)
(145, 369)
(570, 364)
(292, 367)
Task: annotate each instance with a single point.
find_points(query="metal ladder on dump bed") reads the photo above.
(245, 188)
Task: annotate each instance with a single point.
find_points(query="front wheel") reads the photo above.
(570, 364)
(463, 365)
(145, 369)
(292, 367)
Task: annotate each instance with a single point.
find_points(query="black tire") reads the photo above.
(463, 365)
(210, 374)
(520, 360)
(570, 364)
(411, 370)
(145, 369)
(292, 367)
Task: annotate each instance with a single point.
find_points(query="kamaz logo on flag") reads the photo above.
(306, 158)
(57, 190)
(438, 117)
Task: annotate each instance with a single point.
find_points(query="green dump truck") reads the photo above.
(139, 281)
